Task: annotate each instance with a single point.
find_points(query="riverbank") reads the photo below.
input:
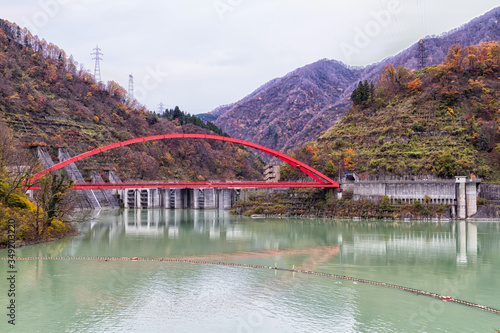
(19, 227)
(317, 203)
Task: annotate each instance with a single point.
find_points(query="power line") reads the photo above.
(425, 18)
(396, 43)
(400, 34)
(422, 8)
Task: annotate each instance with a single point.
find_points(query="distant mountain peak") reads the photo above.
(291, 110)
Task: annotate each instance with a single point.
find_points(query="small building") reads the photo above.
(272, 173)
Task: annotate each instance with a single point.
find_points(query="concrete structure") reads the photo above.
(189, 198)
(114, 179)
(461, 193)
(461, 198)
(350, 177)
(89, 198)
(490, 197)
(490, 192)
(272, 173)
(75, 175)
(104, 196)
(44, 158)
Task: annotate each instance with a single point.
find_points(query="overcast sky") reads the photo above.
(199, 54)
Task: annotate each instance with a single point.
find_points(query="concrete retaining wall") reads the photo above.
(490, 192)
(491, 210)
(406, 192)
(461, 193)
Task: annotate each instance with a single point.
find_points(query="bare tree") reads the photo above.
(52, 194)
(54, 201)
(17, 165)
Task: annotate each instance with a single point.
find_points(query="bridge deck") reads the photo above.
(228, 184)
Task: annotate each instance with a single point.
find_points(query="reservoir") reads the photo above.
(80, 293)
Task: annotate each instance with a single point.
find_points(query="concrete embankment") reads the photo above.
(461, 194)
(489, 195)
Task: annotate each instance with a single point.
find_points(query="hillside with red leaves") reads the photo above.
(48, 101)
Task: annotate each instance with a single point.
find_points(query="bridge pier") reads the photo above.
(228, 199)
(155, 197)
(197, 198)
(209, 198)
(165, 197)
(128, 197)
(195, 193)
(471, 195)
(461, 201)
(178, 199)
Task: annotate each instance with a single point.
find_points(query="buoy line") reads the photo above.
(220, 263)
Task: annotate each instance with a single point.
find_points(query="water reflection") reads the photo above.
(154, 223)
(460, 241)
(457, 259)
(357, 241)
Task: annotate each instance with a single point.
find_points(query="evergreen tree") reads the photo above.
(186, 118)
(356, 94)
(363, 93)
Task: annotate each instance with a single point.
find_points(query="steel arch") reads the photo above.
(315, 174)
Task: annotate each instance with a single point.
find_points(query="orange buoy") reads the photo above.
(446, 298)
(135, 259)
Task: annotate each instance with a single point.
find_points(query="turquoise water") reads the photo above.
(458, 259)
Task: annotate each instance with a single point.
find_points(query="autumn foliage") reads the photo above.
(45, 96)
(442, 121)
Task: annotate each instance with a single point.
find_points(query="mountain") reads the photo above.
(289, 111)
(272, 113)
(441, 121)
(47, 101)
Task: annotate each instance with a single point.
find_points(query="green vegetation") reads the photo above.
(443, 120)
(183, 118)
(32, 223)
(363, 93)
(315, 202)
(44, 218)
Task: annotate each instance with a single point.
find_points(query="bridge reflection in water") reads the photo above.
(154, 222)
(457, 240)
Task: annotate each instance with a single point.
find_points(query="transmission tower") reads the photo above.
(421, 55)
(131, 86)
(97, 69)
(161, 108)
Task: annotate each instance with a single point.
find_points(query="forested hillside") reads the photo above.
(443, 120)
(276, 112)
(49, 101)
(289, 111)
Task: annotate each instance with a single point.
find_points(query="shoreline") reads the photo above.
(74, 232)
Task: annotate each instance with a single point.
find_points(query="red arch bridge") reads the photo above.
(188, 194)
